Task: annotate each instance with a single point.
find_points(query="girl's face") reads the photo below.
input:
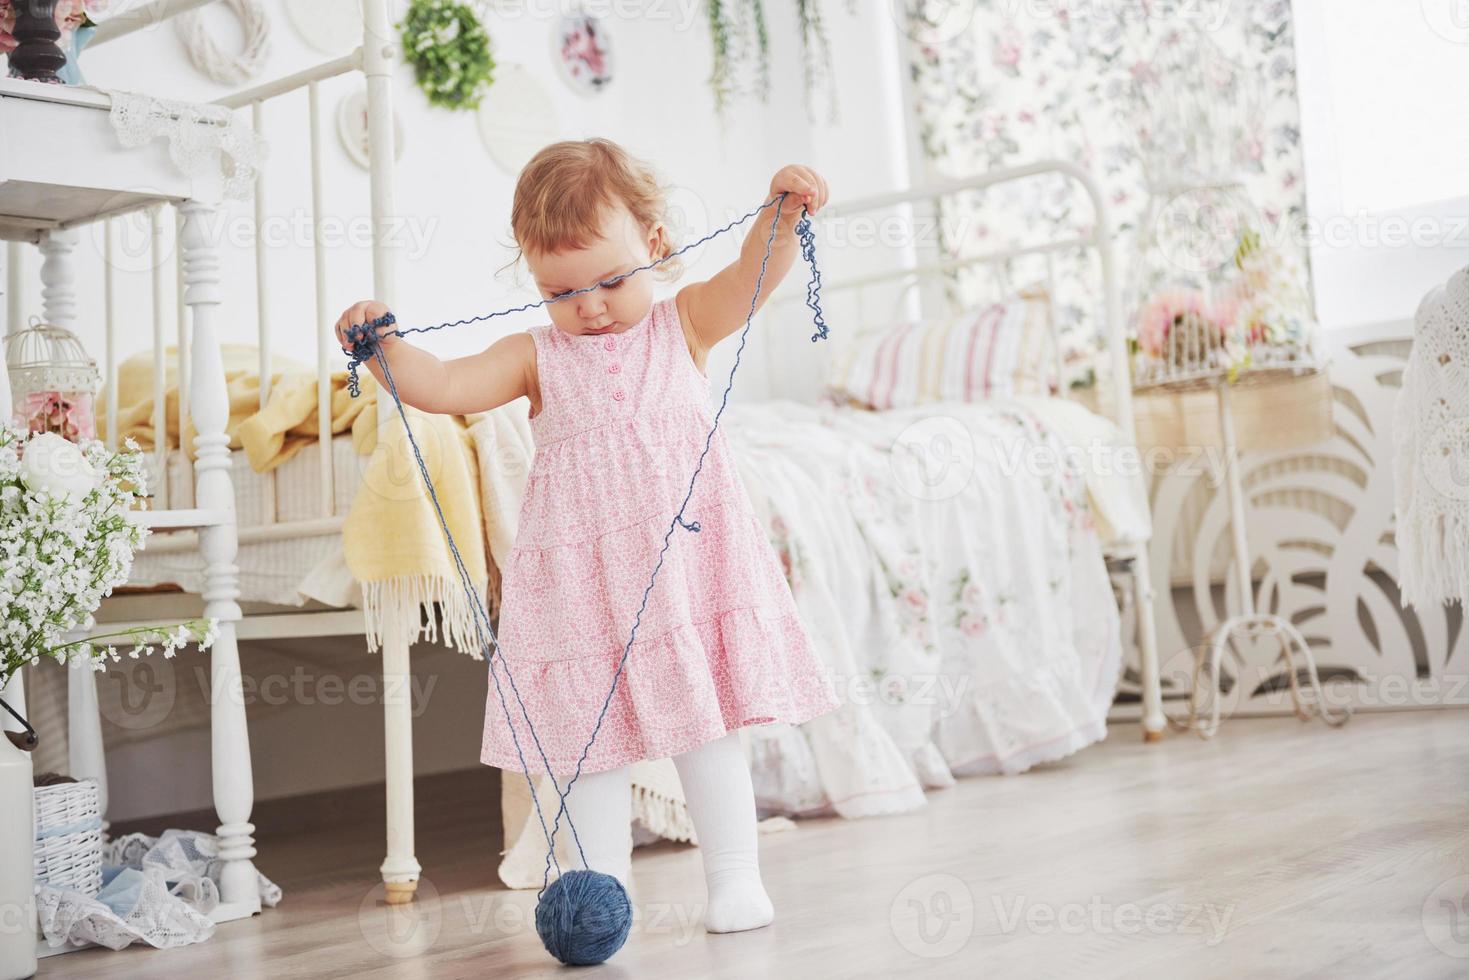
(621, 246)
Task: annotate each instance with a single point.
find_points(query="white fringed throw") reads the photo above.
(1431, 433)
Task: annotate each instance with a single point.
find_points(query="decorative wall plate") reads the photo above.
(352, 128)
(582, 49)
(516, 118)
(329, 26)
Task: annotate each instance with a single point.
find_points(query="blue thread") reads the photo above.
(813, 288)
(364, 339)
(581, 918)
(360, 341)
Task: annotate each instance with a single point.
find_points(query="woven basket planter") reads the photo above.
(69, 836)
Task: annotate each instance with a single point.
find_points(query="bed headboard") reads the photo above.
(881, 271)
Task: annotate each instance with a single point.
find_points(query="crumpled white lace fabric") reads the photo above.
(157, 890)
(202, 138)
(1431, 436)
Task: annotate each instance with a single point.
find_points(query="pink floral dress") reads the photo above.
(719, 645)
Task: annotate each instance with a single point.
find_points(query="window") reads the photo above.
(1385, 129)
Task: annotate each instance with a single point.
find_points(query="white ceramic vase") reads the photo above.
(17, 864)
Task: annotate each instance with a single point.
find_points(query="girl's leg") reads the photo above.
(721, 801)
(600, 807)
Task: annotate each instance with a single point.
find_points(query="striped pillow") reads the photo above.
(987, 352)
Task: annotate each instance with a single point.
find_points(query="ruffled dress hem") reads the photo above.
(676, 692)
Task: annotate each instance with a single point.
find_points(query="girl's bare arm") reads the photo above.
(476, 383)
(717, 308)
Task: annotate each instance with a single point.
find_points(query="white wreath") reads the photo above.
(206, 56)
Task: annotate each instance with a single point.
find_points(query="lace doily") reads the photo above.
(157, 890)
(1431, 432)
(202, 139)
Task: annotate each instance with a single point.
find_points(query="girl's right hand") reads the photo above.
(358, 314)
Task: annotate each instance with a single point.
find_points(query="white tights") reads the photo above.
(721, 803)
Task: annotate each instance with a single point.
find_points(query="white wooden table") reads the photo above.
(61, 167)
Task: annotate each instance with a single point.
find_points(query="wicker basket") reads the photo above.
(69, 836)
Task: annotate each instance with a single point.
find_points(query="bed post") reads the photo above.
(400, 869)
(1153, 720)
(234, 793)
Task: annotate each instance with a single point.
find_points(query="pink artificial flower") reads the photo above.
(7, 26)
(1156, 320)
(972, 625)
(915, 600)
(68, 416)
(1007, 48)
(70, 14)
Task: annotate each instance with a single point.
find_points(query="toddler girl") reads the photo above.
(620, 412)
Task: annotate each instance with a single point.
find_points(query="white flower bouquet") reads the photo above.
(65, 542)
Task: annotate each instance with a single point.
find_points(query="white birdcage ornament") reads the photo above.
(1211, 293)
(53, 382)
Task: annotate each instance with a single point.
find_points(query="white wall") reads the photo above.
(659, 106)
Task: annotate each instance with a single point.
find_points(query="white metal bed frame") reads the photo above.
(928, 264)
(210, 525)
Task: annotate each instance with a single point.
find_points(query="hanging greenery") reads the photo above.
(737, 29)
(816, 55)
(450, 52)
(741, 42)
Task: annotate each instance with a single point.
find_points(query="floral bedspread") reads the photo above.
(947, 566)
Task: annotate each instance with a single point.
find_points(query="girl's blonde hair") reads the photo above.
(561, 194)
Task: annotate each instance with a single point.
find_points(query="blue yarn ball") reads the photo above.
(584, 917)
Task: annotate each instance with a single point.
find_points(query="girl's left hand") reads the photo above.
(805, 186)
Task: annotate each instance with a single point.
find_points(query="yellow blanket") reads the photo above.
(392, 541)
(270, 436)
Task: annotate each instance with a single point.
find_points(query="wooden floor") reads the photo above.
(1278, 850)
